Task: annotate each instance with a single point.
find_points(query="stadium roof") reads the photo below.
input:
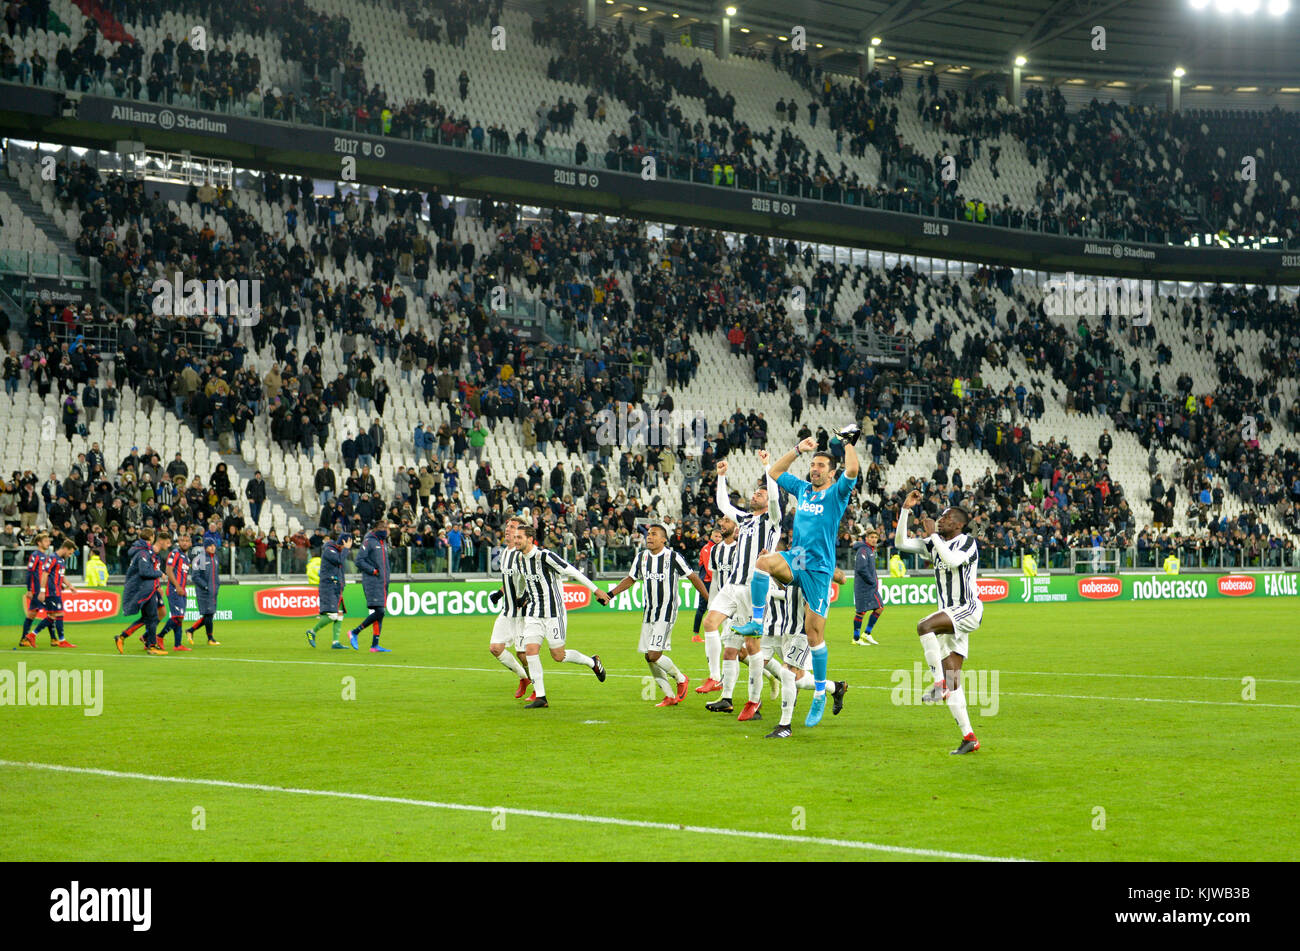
(1145, 39)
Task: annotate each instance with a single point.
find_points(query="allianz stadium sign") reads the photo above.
(167, 119)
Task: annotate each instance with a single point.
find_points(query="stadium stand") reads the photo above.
(1067, 433)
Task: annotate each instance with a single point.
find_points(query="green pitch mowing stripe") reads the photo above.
(1115, 732)
(583, 672)
(534, 813)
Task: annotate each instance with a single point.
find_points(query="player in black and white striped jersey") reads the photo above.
(507, 644)
(545, 615)
(721, 556)
(945, 634)
(756, 531)
(784, 637)
(660, 569)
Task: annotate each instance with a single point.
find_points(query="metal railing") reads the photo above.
(417, 563)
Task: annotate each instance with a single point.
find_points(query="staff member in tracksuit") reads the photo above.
(866, 596)
(706, 575)
(372, 562)
(140, 591)
(176, 569)
(206, 583)
(329, 590)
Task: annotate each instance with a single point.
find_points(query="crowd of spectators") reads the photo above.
(1097, 171)
(628, 301)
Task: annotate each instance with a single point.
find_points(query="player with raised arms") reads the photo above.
(945, 634)
(756, 532)
(810, 560)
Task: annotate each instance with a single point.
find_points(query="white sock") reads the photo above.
(713, 653)
(755, 677)
(535, 674)
(668, 667)
(774, 667)
(933, 656)
(512, 665)
(957, 707)
(577, 657)
(806, 681)
(658, 674)
(788, 690)
(730, 674)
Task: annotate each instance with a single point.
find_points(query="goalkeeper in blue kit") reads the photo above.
(810, 560)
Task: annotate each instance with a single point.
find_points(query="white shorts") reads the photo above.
(735, 602)
(729, 637)
(655, 636)
(795, 651)
(538, 629)
(506, 630)
(964, 621)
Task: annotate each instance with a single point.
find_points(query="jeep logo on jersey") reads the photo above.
(288, 602)
(575, 596)
(88, 605)
(1098, 588)
(809, 507)
(992, 589)
(1234, 586)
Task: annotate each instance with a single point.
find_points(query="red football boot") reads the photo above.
(709, 686)
(524, 684)
(748, 712)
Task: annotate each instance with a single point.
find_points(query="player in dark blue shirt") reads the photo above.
(866, 597)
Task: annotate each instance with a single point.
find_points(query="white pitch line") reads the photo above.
(1058, 673)
(1070, 696)
(533, 813)
(584, 672)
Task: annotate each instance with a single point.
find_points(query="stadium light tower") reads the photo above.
(1176, 89)
(1020, 63)
(867, 55)
(724, 32)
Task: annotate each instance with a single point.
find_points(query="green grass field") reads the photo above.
(1134, 709)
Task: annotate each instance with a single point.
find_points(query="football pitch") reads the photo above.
(1114, 732)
